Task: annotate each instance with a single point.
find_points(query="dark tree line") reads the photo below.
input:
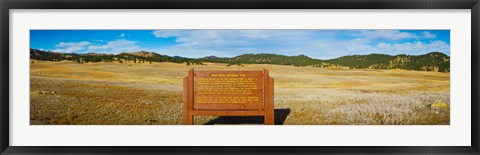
(434, 61)
(299, 61)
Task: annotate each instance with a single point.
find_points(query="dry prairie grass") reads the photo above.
(113, 93)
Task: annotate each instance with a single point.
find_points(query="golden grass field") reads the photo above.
(135, 94)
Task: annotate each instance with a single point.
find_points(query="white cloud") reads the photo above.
(199, 43)
(317, 44)
(428, 34)
(387, 34)
(167, 33)
(114, 47)
(71, 47)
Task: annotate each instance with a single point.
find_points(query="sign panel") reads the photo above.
(230, 88)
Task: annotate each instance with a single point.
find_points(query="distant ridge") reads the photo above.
(434, 61)
(124, 57)
(209, 57)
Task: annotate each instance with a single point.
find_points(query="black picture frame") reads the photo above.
(6, 5)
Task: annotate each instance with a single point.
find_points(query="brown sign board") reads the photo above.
(228, 93)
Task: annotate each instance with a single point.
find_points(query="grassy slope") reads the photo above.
(112, 93)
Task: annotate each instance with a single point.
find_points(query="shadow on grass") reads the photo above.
(280, 116)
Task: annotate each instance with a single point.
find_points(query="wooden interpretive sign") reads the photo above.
(228, 93)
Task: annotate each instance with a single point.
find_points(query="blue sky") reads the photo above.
(322, 44)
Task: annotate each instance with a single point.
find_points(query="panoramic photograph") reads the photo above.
(318, 77)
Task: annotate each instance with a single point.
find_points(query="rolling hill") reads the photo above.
(434, 61)
(135, 57)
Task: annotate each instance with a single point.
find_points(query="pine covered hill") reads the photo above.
(300, 60)
(135, 57)
(434, 61)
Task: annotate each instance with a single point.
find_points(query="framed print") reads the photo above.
(402, 79)
(196, 77)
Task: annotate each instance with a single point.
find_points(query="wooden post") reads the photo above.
(188, 99)
(268, 98)
(271, 107)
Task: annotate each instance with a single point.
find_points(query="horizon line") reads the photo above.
(240, 54)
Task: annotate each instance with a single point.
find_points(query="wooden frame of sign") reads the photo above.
(228, 93)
